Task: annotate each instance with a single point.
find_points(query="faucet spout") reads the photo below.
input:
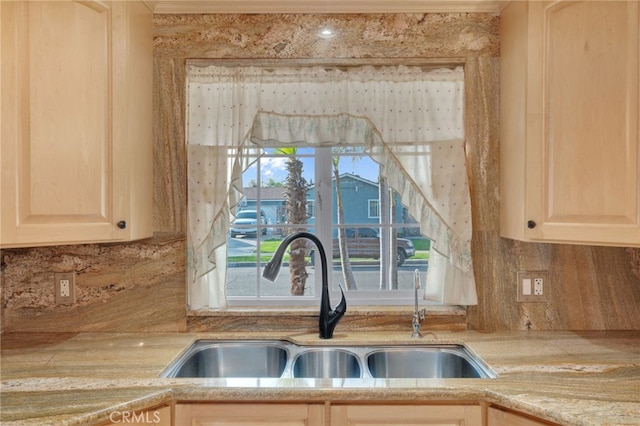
(329, 318)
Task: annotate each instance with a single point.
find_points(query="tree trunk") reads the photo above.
(296, 210)
(383, 214)
(345, 262)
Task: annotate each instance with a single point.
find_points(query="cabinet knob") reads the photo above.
(122, 224)
(531, 224)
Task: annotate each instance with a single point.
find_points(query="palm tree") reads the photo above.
(296, 188)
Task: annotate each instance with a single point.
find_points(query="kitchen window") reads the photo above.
(369, 239)
(406, 120)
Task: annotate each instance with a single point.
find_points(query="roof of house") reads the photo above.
(357, 177)
(354, 176)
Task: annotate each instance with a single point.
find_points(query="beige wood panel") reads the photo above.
(132, 118)
(249, 414)
(56, 137)
(590, 110)
(589, 154)
(570, 151)
(66, 106)
(590, 141)
(384, 414)
(76, 112)
(325, 6)
(513, 62)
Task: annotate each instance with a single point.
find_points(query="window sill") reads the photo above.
(305, 319)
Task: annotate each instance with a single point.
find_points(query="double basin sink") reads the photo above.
(283, 359)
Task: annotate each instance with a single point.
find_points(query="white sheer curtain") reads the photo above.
(409, 120)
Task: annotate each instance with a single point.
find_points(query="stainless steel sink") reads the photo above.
(326, 363)
(231, 359)
(282, 359)
(432, 362)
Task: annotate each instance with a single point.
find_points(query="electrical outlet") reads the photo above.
(65, 288)
(531, 286)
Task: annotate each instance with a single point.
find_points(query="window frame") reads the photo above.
(377, 208)
(323, 227)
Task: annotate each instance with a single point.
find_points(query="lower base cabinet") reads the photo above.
(314, 414)
(249, 414)
(325, 414)
(399, 414)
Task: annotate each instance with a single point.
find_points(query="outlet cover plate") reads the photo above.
(71, 278)
(532, 276)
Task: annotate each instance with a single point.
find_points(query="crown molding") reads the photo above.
(324, 6)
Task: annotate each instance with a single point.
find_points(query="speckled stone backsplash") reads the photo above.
(140, 286)
(137, 286)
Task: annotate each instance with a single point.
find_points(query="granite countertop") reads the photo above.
(573, 378)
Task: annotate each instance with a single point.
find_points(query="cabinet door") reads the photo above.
(65, 76)
(132, 110)
(249, 414)
(56, 150)
(570, 104)
(380, 415)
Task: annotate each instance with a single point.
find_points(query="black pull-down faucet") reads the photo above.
(329, 318)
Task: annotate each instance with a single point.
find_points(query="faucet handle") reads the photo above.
(418, 315)
(341, 307)
(416, 327)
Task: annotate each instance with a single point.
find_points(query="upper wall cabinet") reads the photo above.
(570, 158)
(76, 122)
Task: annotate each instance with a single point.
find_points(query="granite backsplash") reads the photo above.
(140, 286)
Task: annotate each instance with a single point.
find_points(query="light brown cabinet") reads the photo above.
(209, 414)
(386, 414)
(570, 156)
(76, 114)
(329, 413)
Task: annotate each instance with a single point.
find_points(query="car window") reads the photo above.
(246, 215)
(368, 233)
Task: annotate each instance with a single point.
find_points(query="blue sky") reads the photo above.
(274, 168)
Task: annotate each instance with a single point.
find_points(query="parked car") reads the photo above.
(365, 243)
(246, 222)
